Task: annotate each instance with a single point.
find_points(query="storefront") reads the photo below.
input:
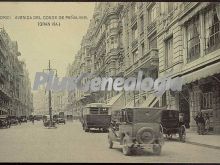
(201, 93)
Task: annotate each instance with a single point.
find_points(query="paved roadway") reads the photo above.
(69, 143)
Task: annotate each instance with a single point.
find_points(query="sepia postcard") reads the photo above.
(109, 82)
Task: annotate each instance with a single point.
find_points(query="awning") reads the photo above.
(151, 100)
(202, 73)
(117, 102)
(114, 99)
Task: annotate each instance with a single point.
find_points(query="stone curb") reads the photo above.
(203, 145)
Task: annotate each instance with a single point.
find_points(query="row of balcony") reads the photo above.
(144, 62)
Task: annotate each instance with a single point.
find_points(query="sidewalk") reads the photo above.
(210, 140)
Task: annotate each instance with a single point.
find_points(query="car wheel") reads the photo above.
(126, 149)
(110, 142)
(86, 129)
(157, 149)
(145, 135)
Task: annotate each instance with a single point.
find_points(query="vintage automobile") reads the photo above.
(46, 121)
(171, 125)
(96, 115)
(60, 120)
(13, 120)
(136, 128)
(4, 121)
(23, 119)
(69, 117)
(38, 117)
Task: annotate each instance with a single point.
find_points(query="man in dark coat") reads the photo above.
(200, 121)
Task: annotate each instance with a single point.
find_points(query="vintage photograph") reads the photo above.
(110, 82)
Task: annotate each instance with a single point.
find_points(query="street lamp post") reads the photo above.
(49, 96)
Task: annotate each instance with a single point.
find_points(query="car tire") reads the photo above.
(157, 149)
(145, 132)
(126, 149)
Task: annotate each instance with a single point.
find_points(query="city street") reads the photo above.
(69, 143)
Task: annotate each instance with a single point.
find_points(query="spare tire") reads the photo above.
(145, 135)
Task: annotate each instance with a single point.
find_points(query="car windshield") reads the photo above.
(146, 115)
(170, 114)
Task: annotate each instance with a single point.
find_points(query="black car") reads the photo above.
(46, 121)
(23, 119)
(13, 120)
(61, 120)
(4, 121)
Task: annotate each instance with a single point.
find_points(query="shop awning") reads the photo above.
(151, 101)
(114, 99)
(202, 73)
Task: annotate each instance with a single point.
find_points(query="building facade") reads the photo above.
(15, 88)
(163, 39)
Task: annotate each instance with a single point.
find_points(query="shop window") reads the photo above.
(193, 39)
(212, 30)
(207, 100)
(169, 52)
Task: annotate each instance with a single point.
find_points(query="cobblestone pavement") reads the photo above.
(69, 143)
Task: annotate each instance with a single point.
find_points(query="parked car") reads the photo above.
(13, 120)
(46, 121)
(23, 119)
(4, 121)
(69, 117)
(61, 120)
(136, 128)
(38, 117)
(171, 125)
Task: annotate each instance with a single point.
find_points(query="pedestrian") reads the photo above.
(207, 123)
(181, 119)
(19, 120)
(200, 123)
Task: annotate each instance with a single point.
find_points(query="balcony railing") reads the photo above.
(151, 27)
(134, 43)
(144, 61)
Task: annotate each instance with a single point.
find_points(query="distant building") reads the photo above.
(15, 89)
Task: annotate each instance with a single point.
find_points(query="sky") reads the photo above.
(39, 44)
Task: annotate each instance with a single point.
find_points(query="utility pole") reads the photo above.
(49, 96)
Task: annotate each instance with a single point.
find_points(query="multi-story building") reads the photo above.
(15, 89)
(163, 39)
(188, 43)
(101, 52)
